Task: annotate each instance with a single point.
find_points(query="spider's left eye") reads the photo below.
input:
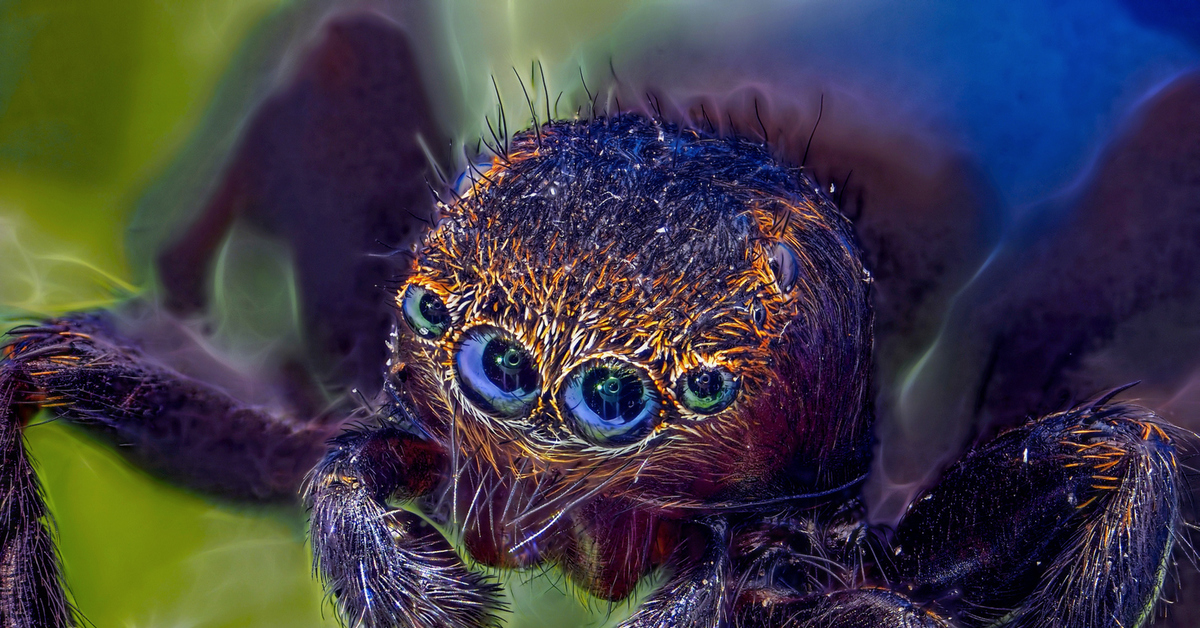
(497, 373)
(424, 312)
(708, 390)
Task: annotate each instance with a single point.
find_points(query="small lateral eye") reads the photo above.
(758, 314)
(471, 175)
(708, 390)
(785, 266)
(424, 312)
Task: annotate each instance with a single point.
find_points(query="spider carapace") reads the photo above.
(630, 347)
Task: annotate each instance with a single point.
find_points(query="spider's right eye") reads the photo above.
(424, 312)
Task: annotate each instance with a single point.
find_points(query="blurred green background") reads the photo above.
(97, 99)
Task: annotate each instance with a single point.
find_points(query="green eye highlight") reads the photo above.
(708, 390)
(610, 402)
(424, 312)
(497, 373)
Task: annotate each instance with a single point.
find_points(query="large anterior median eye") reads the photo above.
(424, 312)
(707, 390)
(496, 372)
(610, 402)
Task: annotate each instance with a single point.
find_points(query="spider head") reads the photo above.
(675, 315)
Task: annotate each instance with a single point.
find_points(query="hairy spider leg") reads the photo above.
(698, 592)
(1068, 521)
(385, 566)
(30, 590)
(87, 372)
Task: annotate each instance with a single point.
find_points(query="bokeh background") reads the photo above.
(990, 114)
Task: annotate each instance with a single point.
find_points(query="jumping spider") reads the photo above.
(627, 346)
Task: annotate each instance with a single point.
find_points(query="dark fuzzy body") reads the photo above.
(632, 244)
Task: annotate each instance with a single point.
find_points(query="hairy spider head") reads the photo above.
(625, 303)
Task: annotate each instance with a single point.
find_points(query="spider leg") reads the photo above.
(1068, 521)
(809, 569)
(332, 164)
(697, 593)
(387, 567)
(851, 608)
(89, 372)
(31, 593)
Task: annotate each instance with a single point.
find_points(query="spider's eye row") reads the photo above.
(708, 390)
(424, 312)
(497, 373)
(610, 401)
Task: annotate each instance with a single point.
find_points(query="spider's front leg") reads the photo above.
(1068, 521)
(90, 370)
(387, 567)
(30, 590)
(696, 595)
(807, 570)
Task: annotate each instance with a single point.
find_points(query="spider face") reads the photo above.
(625, 303)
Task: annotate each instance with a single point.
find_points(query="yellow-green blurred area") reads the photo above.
(97, 99)
(94, 98)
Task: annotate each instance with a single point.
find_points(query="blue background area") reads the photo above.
(1030, 89)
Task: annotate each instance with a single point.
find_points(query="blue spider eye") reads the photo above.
(497, 373)
(707, 390)
(424, 312)
(610, 402)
